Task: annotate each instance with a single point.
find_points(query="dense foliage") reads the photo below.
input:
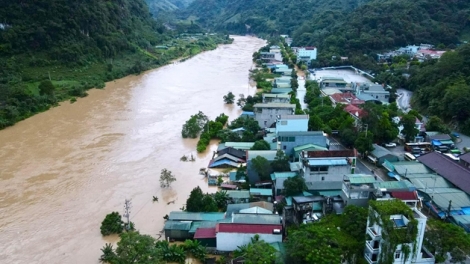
(442, 238)
(333, 239)
(163, 6)
(294, 186)
(256, 252)
(194, 125)
(137, 248)
(381, 26)
(205, 202)
(442, 88)
(256, 16)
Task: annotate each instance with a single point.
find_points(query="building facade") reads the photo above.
(324, 170)
(230, 236)
(267, 113)
(292, 123)
(389, 242)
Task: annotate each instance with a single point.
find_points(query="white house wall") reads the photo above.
(231, 241)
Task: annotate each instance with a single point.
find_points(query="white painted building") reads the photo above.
(230, 235)
(377, 237)
(306, 54)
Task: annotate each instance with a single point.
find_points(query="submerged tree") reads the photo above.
(194, 125)
(229, 98)
(166, 178)
(112, 224)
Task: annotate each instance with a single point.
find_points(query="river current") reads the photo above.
(63, 170)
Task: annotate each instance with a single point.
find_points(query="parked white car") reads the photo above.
(390, 145)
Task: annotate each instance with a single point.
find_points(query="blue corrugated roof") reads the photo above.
(327, 162)
(223, 162)
(248, 113)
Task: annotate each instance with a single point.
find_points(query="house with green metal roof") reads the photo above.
(262, 194)
(177, 230)
(306, 147)
(284, 90)
(236, 145)
(380, 154)
(239, 196)
(195, 216)
(259, 219)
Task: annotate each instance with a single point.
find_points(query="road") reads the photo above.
(403, 100)
(301, 92)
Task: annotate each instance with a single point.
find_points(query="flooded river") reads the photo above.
(63, 170)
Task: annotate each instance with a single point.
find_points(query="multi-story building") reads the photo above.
(267, 114)
(374, 91)
(306, 54)
(292, 123)
(394, 234)
(288, 139)
(324, 170)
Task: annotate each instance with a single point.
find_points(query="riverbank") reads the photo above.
(22, 98)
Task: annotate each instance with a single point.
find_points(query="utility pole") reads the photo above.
(448, 209)
(127, 212)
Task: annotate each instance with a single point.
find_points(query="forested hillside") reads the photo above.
(52, 50)
(261, 16)
(158, 6)
(442, 88)
(381, 25)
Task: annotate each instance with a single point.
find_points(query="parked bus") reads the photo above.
(452, 157)
(426, 146)
(410, 157)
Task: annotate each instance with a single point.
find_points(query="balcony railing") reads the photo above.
(372, 247)
(372, 233)
(369, 260)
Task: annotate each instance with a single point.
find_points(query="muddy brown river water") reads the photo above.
(63, 170)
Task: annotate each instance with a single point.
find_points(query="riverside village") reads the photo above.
(325, 165)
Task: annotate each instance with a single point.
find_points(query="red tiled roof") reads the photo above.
(331, 153)
(246, 228)
(347, 98)
(405, 195)
(352, 109)
(205, 233)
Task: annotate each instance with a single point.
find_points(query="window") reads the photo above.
(284, 147)
(291, 139)
(398, 255)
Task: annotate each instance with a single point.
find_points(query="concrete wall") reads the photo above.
(230, 241)
(292, 125)
(378, 96)
(268, 116)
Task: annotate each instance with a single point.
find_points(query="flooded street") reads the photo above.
(63, 170)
